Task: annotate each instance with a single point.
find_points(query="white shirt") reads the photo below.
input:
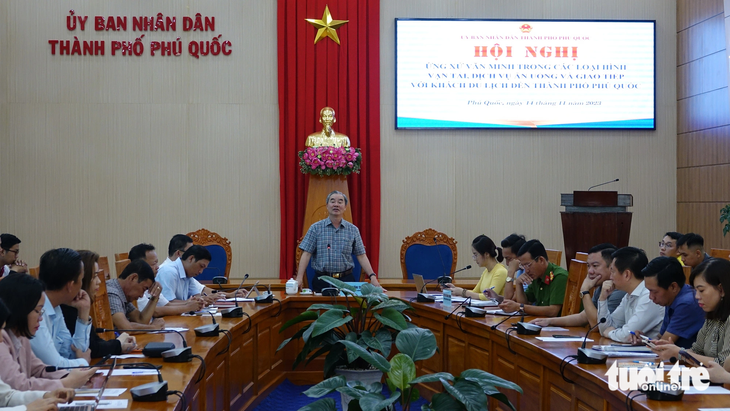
(145, 298)
(164, 263)
(6, 270)
(635, 313)
(175, 283)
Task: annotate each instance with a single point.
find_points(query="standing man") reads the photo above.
(9, 259)
(179, 243)
(599, 260)
(178, 282)
(329, 244)
(545, 284)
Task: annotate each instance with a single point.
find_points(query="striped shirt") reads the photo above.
(332, 248)
(713, 340)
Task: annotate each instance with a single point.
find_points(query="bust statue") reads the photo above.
(327, 136)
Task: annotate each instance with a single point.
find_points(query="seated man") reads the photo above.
(668, 245)
(164, 307)
(62, 272)
(9, 259)
(136, 278)
(599, 259)
(510, 247)
(683, 317)
(546, 284)
(177, 278)
(179, 243)
(691, 249)
(636, 312)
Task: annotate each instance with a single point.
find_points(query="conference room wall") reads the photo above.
(104, 152)
(494, 182)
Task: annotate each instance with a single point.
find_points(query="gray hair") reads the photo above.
(336, 192)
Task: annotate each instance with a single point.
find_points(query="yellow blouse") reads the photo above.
(489, 279)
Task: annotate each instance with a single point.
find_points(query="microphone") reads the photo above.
(265, 297)
(438, 250)
(461, 304)
(236, 311)
(602, 184)
(590, 356)
(424, 297)
(152, 391)
(494, 327)
(210, 330)
(166, 351)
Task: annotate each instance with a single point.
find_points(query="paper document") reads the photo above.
(710, 390)
(178, 329)
(239, 299)
(127, 372)
(554, 329)
(629, 354)
(126, 356)
(108, 392)
(103, 404)
(553, 339)
(622, 348)
(500, 312)
(480, 303)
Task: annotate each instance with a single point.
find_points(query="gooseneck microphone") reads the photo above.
(163, 331)
(494, 327)
(166, 351)
(602, 184)
(461, 304)
(424, 297)
(209, 330)
(590, 356)
(52, 368)
(236, 311)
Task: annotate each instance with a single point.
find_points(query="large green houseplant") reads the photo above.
(368, 321)
(469, 391)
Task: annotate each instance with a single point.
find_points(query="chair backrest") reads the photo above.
(554, 256)
(581, 256)
(576, 274)
(101, 314)
(429, 253)
(720, 253)
(310, 271)
(121, 256)
(687, 272)
(104, 265)
(33, 271)
(220, 251)
(121, 265)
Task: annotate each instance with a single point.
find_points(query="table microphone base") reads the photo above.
(591, 356)
(210, 330)
(154, 391)
(233, 312)
(265, 298)
(178, 355)
(473, 312)
(425, 298)
(528, 329)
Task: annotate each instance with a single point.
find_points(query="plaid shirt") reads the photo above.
(117, 300)
(332, 248)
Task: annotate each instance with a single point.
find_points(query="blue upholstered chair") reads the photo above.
(429, 253)
(357, 269)
(220, 251)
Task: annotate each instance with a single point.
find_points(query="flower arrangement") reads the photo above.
(329, 161)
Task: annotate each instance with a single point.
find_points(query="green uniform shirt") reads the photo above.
(544, 291)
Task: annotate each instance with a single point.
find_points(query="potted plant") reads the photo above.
(469, 391)
(725, 218)
(348, 333)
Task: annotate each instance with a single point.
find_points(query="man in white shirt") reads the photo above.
(62, 271)
(9, 259)
(636, 312)
(179, 243)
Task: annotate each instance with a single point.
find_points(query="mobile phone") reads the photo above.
(251, 289)
(689, 359)
(565, 336)
(140, 366)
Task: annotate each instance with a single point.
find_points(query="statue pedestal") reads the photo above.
(319, 188)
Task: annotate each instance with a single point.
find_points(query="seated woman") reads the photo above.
(709, 280)
(23, 296)
(489, 256)
(668, 245)
(90, 283)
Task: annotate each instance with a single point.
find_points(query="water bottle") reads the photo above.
(447, 298)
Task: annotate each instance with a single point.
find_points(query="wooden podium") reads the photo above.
(594, 217)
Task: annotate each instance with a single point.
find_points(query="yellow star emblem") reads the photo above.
(327, 27)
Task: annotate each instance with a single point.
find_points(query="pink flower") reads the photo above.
(350, 164)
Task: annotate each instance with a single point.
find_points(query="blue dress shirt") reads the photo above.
(175, 283)
(52, 342)
(683, 318)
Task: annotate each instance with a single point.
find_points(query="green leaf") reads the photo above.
(386, 340)
(415, 395)
(352, 392)
(374, 359)
(418, 343)
(325, 404)
(391, 303)
(392, 318)
(325, 387)
(367, 289)
(375, 387)
(333, 359)
(402, 371)
(433, 378)
(308, 332)
(283, 344)
(376, 402)
(503, 399)
(341, 285)
(371, 341)
(468, 393)
(326, 307)
(328, 321)
(443, 401)
(305, 316)
(319, 352)
(488, 381)
(427, 407)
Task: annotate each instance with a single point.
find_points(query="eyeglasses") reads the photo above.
(662, 244)
(12, 251)
(528, 265)
(41, 312)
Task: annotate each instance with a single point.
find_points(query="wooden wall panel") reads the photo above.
(703, 119)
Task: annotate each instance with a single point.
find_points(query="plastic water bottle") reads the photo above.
(447, 298)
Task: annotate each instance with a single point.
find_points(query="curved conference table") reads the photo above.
(240, 376)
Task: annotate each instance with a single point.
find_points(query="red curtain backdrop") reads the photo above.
(345, 77)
